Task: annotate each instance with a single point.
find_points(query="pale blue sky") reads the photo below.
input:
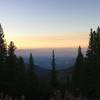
(49, 17)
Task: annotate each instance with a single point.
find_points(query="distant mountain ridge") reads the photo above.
(45, 62)
(65, 57)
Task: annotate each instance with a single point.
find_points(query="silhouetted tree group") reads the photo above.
(86, 73)
(18, 78)
(15, 78)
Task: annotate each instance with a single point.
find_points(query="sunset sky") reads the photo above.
(49, 23)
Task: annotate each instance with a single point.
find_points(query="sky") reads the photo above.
(49, 23)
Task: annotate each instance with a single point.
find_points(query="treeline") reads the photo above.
(18, 78)
(15, 79)
(86, 73)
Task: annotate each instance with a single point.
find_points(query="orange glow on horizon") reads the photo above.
(28, 42)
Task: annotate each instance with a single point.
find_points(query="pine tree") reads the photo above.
(98, 61)
(12, 65)
(98, 44)
(54, 80)
(3, 47)
(91, 52)
(32, 78)
(11, 49)
(31, 67)
(12, 59)
(31, 64)
(3, 56)
(77, 73)
(93, 66)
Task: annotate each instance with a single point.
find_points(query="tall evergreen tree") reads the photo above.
(11, 49)
(3, 56)
(77, 73)
(98, 44)
(3, 47)
(12, 59)
(31, 64)
(32, 83)
(54, 80)
(93, 66)
(12, 65)
(92, 45)
(98, 61)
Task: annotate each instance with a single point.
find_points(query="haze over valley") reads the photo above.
(65, 57)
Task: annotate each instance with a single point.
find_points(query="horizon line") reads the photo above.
(50, 48)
